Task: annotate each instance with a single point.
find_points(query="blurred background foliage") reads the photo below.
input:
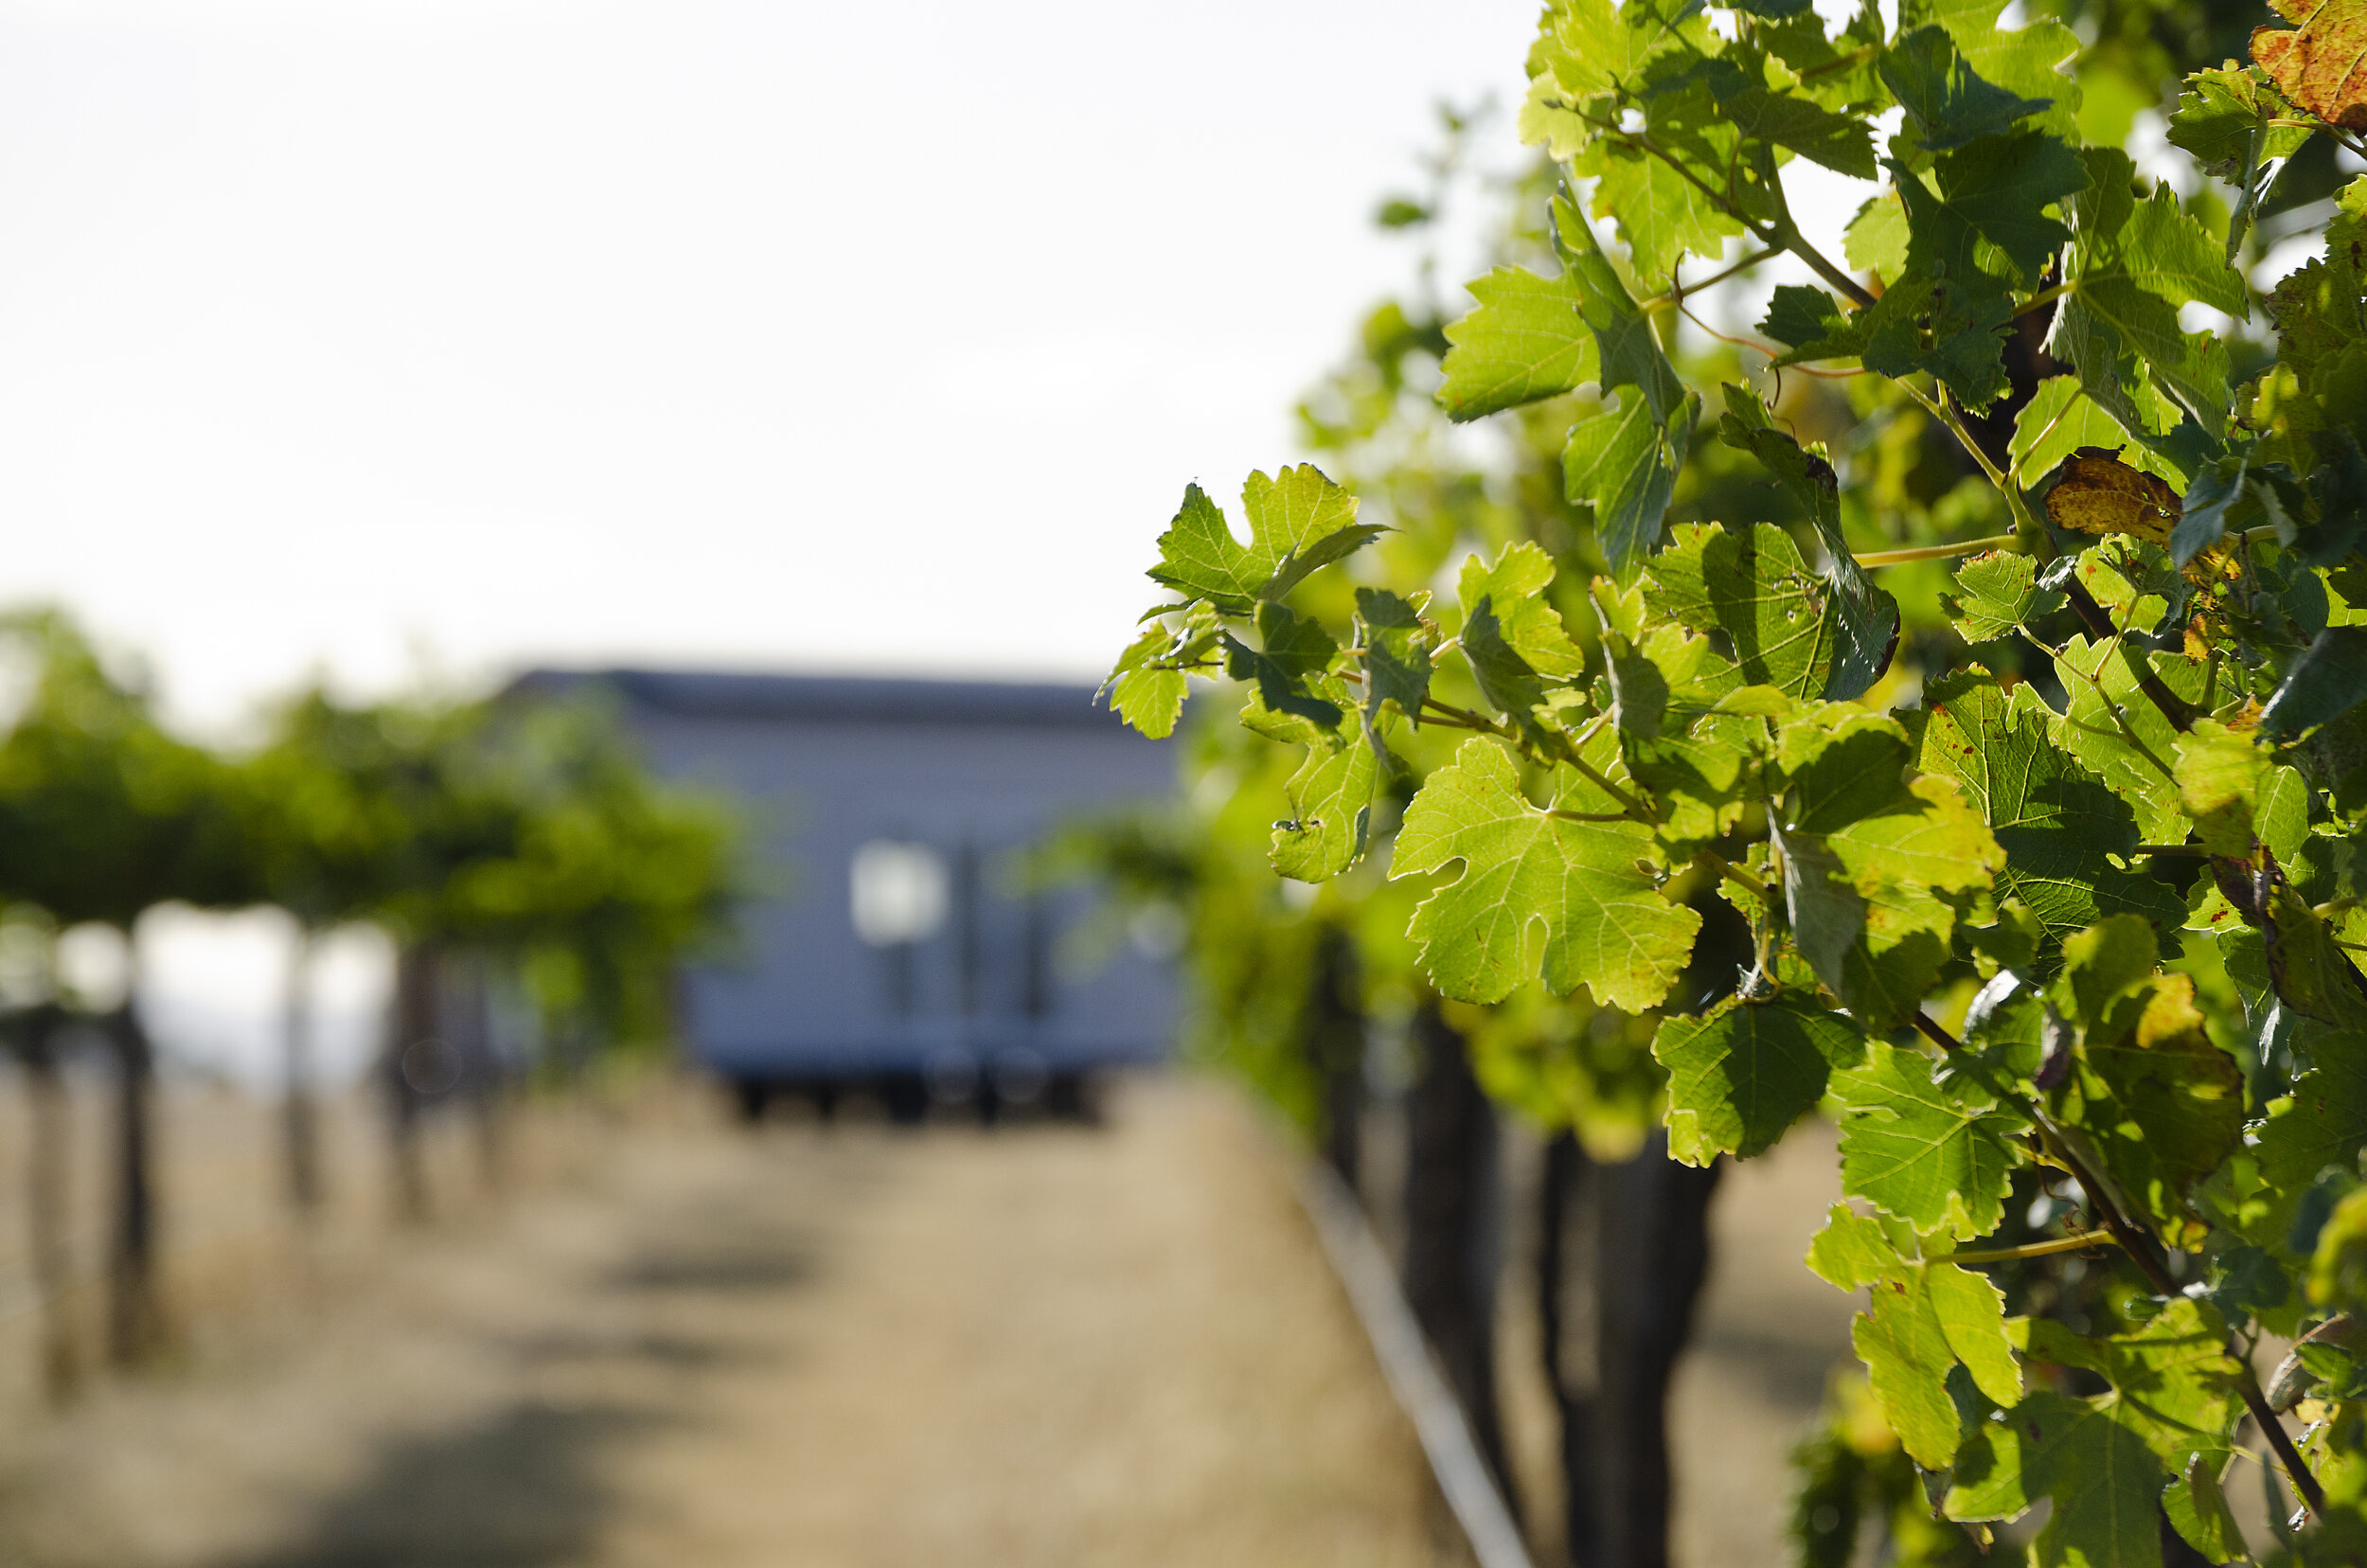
(518, 843)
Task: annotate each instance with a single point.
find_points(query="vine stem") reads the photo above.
(2043, 297)
(1678, 288)
(2026, 526)
(2011, 543)
(2035, 1249)
(2140, 1250)
(1733, 873)
(1783, 233)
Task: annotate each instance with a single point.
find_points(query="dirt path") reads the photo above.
(1041, 1346)
(1046, 1345)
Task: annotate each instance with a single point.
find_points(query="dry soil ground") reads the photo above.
(1043, 1345)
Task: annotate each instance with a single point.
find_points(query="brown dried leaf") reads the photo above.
(2103, 495)
(2322, 64)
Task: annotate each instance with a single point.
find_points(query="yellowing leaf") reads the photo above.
(2322, 64)
(2104, 495)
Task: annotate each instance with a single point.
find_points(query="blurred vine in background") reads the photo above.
(515, 843)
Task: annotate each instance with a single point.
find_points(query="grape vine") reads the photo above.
(1993, 902)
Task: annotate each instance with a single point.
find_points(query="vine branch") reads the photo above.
(2140, 1249)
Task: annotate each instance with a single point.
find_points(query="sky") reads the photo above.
(394, 341)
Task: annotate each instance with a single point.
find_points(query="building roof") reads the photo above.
(838, 699)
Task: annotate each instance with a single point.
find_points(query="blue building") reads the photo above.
(893, 946)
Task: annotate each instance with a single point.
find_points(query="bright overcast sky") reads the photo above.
(473, 332)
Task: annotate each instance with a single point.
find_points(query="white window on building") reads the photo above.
(897, 892)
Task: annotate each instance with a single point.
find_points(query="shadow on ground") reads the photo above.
(520, 1492)
(531, 1486)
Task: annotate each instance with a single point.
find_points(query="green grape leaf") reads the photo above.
(1739, 1077)
(2310, 970)
(1838, 142)
(1935, 1154)
(1148, 696)
(2324, 1120)
(2175, 1387)
(2028, 60)
(2199, 1511)
(2104, 321)
(1996, 592)
(1299, 521)
(1630, 352)
(2159, 1103)
(2057, 824)
(2167, 251)
(2130, 266)
(1514, 585)
(2136, 582)
(1698, 769)
(1898, 959)
(2061, 418)
(1616, 464)
(1865, 854)
(1906, 1357)
(1624, 463)
(1826, 911)
(1812, 323)
(1852, 1252)
(1947, 103)
(1940, 328)
(1924, 1322)
(1844, 765)
(1755, 588)
(1524, 342)
(1864, 618)
(1876, 241)
(1836, 70)
(1662, 215)
(1294, 696)
(2325, 683)
(1972, 1314)
(2223, 119)
(2219, 773)
(1513, 640)
(1331, 802)
(1507, 681)
(2101, 966)
(1989, 200)
(2108, 723)
(1582, 50)
(1585, 887)
(2321, 309)
(2102, 1479)
(1930, 840)
(1586, 48)
(1398, 643)
(2282, 812)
